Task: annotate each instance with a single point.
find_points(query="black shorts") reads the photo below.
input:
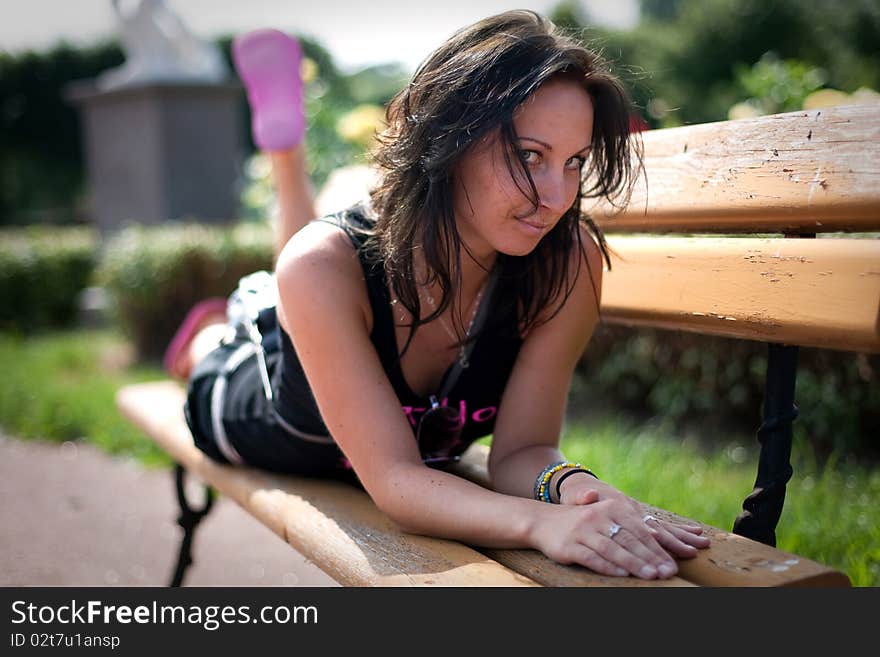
(240, 425)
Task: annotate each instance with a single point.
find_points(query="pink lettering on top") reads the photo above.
(414, 413)
(484, 414)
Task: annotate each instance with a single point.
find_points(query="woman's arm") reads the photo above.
(324, 305)
(530, 417)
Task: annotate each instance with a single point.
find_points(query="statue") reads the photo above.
(160, 48)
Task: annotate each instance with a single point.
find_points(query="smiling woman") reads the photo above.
(497, 212)
(452, 305)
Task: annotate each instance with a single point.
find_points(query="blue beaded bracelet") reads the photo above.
(542, 483)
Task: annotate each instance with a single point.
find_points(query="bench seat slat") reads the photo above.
(332, 524)
(339, 529)
(810, 292)
(807, 171)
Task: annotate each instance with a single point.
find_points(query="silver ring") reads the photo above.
(612, 531)
(649, 517)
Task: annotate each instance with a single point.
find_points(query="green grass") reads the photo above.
(62, 387)
(831, 513)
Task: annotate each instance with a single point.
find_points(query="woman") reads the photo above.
(452, 306)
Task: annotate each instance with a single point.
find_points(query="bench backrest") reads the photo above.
(798, 174)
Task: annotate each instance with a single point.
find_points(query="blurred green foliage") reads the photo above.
(775, 85)
(43, 270)
(41, 162)
(715, 386)
(832, 509)
(156, 274)
(681, 61)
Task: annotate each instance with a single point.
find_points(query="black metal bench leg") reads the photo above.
(763, 507)
(189, 518)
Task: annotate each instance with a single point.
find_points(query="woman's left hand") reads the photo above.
(680, 540)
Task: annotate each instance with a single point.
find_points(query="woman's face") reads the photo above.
(554, 127)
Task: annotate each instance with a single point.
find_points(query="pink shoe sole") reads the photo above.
(189, 327)
(268, 63)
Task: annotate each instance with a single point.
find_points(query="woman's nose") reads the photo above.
(555, 193)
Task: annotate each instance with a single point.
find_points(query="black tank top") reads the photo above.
(476, 393)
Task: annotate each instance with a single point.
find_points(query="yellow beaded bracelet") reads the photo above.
(542, 483)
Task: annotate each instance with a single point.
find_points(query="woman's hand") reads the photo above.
(608, 536)
(680, 540)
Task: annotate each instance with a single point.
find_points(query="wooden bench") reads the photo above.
(797, 174)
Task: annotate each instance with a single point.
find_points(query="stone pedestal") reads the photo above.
(161, 151)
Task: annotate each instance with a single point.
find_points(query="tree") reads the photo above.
(681, 62)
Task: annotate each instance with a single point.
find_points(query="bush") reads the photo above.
(716, 385)
(42, 273)
(156, 274)
(41, 157)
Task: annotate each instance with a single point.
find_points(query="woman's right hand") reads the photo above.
(607, 536)
(682, 540)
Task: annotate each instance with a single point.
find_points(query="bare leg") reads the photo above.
(268, 62)
(205, 342)
(206, 339)
(295, 193)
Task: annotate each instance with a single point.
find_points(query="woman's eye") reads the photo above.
(577, 162)
(529, 157)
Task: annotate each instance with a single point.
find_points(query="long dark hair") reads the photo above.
(466, 89)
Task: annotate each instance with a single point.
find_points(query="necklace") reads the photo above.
(462, 355)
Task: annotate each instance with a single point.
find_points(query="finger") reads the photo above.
(674, 539)
(623, 558)
(682, 530)
(585, 556)
(647, 537)
(674, 543)
(627, 552)
(685, 535)
(655, 556)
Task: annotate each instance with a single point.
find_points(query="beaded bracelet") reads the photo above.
(542, 483)
(564, 476)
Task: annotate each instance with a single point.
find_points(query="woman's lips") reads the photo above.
(532, 220)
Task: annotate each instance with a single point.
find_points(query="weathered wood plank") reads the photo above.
(808, 171)
(811, 292)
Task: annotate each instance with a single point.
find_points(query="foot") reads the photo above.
(176, 360)
(268, 63)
